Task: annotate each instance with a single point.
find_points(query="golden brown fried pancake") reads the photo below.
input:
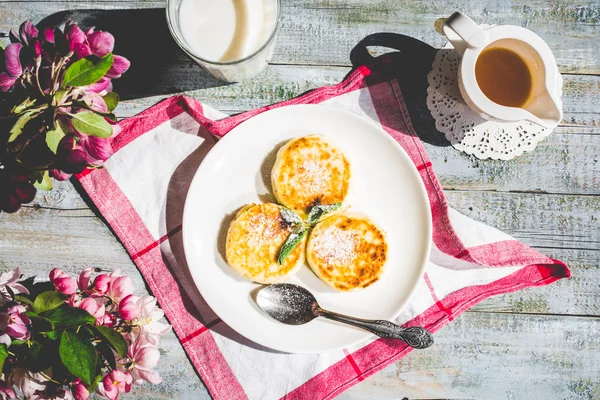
(347, 251)
(310, 170)
(253, 241)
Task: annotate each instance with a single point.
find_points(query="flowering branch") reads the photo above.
(69, 337)
(56, 107)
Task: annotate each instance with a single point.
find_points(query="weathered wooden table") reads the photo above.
(541, 343)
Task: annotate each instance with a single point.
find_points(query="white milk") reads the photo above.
(226, 30)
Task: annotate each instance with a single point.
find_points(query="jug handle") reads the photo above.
(464, 33)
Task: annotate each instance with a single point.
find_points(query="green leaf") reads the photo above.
(78, 355)
(84, 72)
(48, 301)
(21, 298)
(59, 96)
(3, 355)
(90, 123)
(27, 103)
(40, 324)
(54, 137)
(18, 127)
(95, 383)
(319, 210)
(289, 216)
(112, 100)
(68, 317)
(113, 338)
(83, 104)
(291, 242)
(17, 342)
(46, 182)
(53, 335)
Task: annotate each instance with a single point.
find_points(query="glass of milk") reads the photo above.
(232, 39)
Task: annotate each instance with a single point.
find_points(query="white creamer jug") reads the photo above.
(543, 105)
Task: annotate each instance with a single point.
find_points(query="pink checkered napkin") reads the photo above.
(141, 192)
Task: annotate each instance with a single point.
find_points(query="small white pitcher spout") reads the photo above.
(545, 110)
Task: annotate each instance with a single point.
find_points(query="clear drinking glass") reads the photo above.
(230, 71)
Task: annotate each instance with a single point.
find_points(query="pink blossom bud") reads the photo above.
(116, 381)
(66, 285)
(109, 320)
(101, 283)
(84, 278)
(14, 322)
(80, 392)
(96, 309)
(120, 288)
(57, 273)
(128, 308)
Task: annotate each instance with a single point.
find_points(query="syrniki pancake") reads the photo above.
(310, 170)
(253, 241)
(347, 251)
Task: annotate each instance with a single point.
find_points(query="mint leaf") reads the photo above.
(92, 124)
(289, 216)
(291, 242)
(45, 183)
(319, 210)
(68, 317)
(3, 355)
(112, 338)
(112, 100)
(78, 355)
(84, 72)
(47, 301)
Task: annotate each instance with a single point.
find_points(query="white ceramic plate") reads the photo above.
(385, 185)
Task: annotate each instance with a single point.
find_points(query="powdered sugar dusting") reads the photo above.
(315, 176)
(337, 247)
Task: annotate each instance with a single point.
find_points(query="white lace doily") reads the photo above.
(466, 130)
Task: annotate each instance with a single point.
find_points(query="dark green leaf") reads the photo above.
(112, 100)
(59, 96)
(289, 216)
(21, 298)
(84, 72)
(48, 301)
(40, 323)
(45, 183)
(18, 109)
(78, 355)
(291, 242)
(3, 355)
(113, 338)
(53, 138)
(319, 210)
(53, 335)
(90, 123)
(107, 354)
(68, 317)
(18, 127)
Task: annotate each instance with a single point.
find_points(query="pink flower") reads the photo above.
(101, 43)
(6, 391)
(95, 308)
(9, 279)
(99, 86)
(63, 282)
(128, 308)
(116, 381)
(79, 390)
(13, 66)
(95, 101)
(148, 320)
(144, 357)
(16, 187)
(119, 288)
(5, 339)
(83, 282)
(28, 382)
(101, 283)
(49, 35)
(14, 322)
(77, 40)
(119, 67)
(76, 152)
(109, 320)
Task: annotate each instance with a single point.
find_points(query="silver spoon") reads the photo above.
(294, 305)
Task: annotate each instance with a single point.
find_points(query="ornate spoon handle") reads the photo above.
(415, 336)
